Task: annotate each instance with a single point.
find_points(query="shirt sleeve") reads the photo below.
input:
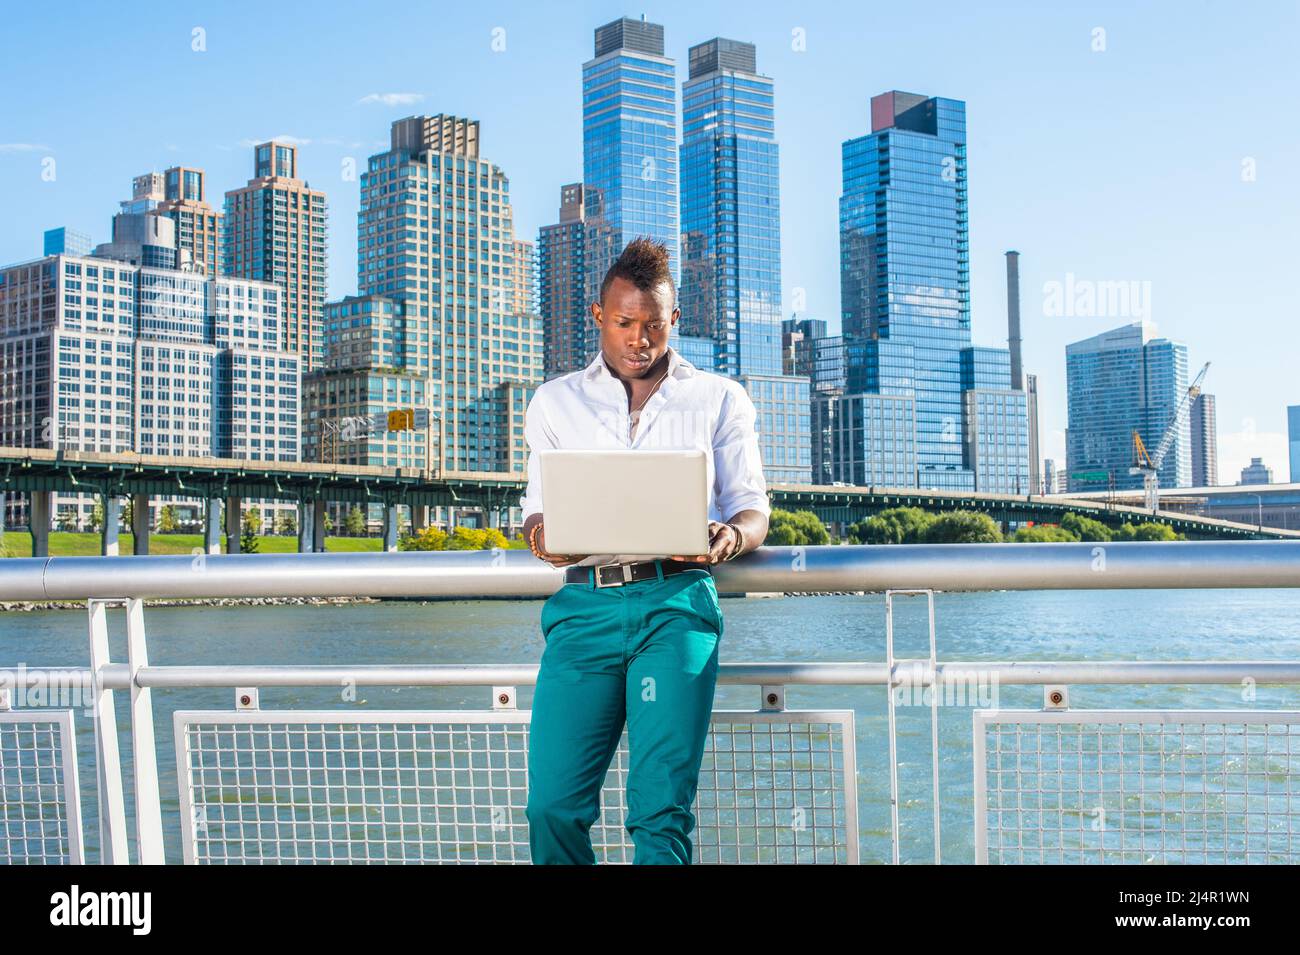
(539, 438)
(738, 480)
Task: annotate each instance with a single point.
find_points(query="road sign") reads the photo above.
(407, 419)
(1090, 475)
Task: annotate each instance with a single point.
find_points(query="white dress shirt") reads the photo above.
(692, 409)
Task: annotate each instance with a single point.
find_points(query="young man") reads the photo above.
(636, 643)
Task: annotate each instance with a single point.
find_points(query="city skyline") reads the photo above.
(1096, 228)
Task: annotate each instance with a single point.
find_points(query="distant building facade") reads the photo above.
(1205, 442)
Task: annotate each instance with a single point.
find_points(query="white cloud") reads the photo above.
(23, 148)
(390, 99)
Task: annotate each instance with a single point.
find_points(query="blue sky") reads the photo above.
(1168, 157)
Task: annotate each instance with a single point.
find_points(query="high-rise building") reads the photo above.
(1257, 472)
(198, 225)
(275, 232)
(142, 235)
(561, 287)
(103, 355)
(1117, 383)
(1205, 442)
(904, 261)
(731, 210)
(1051, 477)
(1293, 437)
(731, 244)
(440, 282)
(904, 289)
(1031, 399)
(65, 241)
(629, 146)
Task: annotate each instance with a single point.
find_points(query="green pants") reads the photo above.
(645, 653)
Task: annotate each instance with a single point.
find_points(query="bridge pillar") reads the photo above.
(39, 506)
(212, 525)
(318, 526)
(494, 517)
(391, 513)
(419, 517)
(140, 525)
(234, 520)
(108, 533)
(451, 519)
(306, 521)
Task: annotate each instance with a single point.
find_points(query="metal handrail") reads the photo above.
(814, 569)
(117, 676)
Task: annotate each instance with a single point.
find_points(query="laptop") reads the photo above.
(639, 503)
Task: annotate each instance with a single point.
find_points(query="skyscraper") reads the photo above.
(143, 359)
(1257, 472)
(275, 232)
(1119, 382)
(731, 244)
(1205, 442)
(198, 225)
(561, 286)
(1293, 437)
(629, 146)
(731, 211)
(439, 279)
(904, 289)
(142, 235)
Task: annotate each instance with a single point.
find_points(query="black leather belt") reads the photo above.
(616, 575)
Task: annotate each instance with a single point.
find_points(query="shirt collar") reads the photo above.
(678, 367)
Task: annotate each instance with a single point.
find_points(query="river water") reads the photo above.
(1238, 625)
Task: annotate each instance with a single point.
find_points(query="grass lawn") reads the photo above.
(65, 544)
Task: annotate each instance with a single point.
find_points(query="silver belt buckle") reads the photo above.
(627, 575)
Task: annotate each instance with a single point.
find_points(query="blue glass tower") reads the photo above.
(731, 218)
(629, 146)
(1118, 382)
(904, 254)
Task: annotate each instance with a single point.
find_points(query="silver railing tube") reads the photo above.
(1067, 566)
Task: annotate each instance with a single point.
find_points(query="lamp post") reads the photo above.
(1260, 500)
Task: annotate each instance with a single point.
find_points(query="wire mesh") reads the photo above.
(451, 787)
(39, 802)
(1116, 786)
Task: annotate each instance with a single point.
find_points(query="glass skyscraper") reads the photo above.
(904, 265)
(1293, 437)
(731, 211)
(629, 146)
(905, 296)
(1119, 382)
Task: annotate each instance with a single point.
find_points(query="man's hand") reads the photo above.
(555, 560)
(722, 541)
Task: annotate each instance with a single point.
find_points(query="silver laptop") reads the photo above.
(641, 503)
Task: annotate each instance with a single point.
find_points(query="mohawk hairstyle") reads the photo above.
(644, 263)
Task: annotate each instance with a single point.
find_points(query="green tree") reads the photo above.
(1148, 531)
(354, 525)
(168, 522)
(67, 520)
(895, 525)
(795, 528)
(97, 516)
(250, 527)
(286, 524)
(1086, 528)
(963, 527)
(1042, 534)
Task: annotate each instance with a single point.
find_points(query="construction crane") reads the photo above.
(1148, 465)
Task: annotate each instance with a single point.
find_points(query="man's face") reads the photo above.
(634, 326)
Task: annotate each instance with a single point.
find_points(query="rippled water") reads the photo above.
(1124, 625)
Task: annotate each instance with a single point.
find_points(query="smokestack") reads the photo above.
(1013, 319)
